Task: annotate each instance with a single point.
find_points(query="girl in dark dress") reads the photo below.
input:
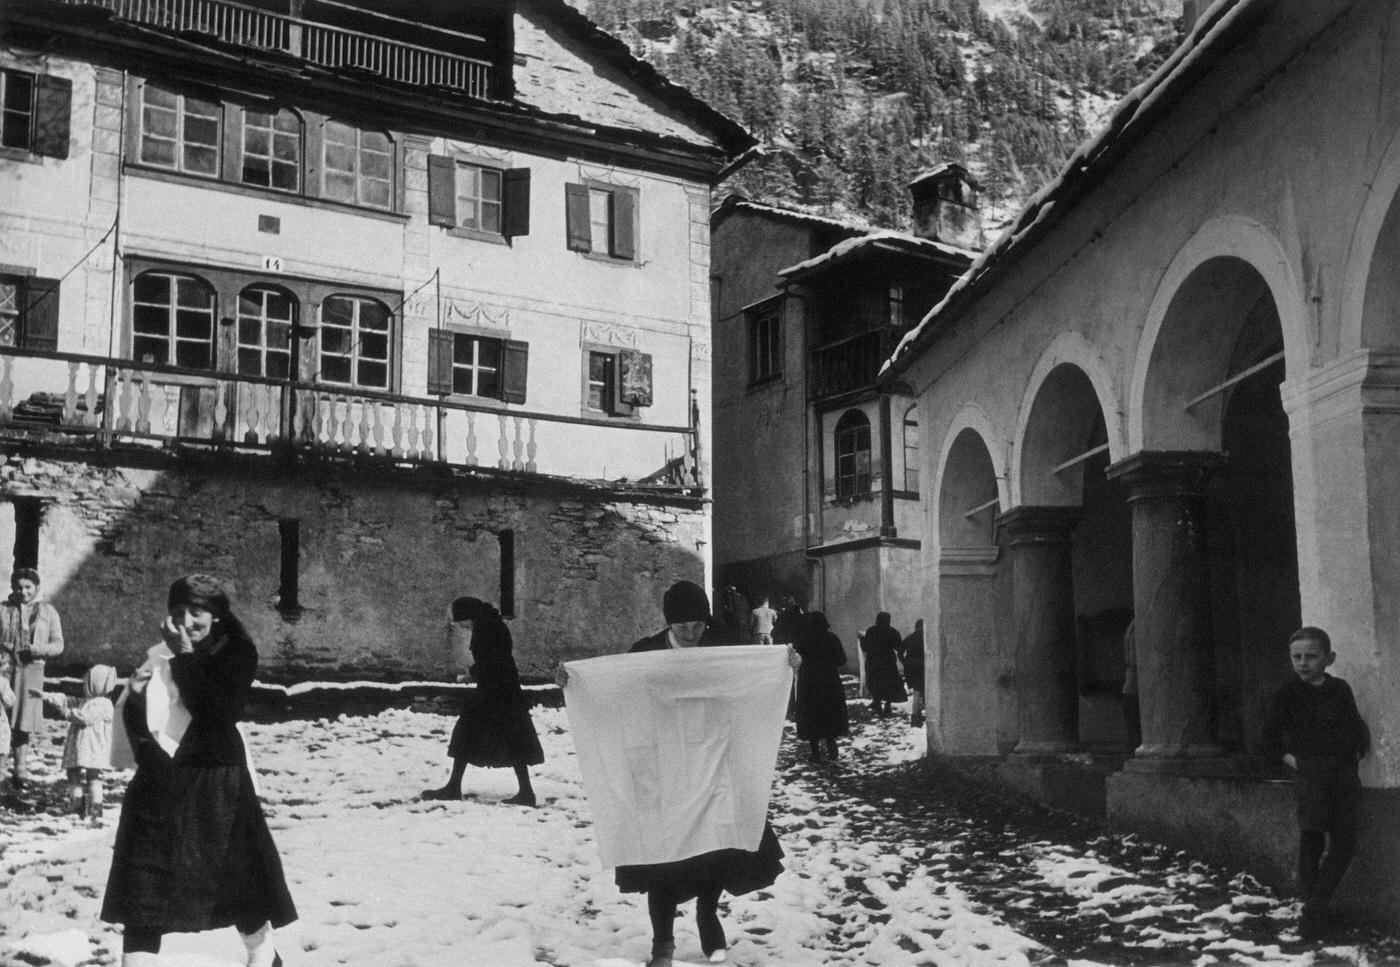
(821, 698)
(193, 851)
(882, 645)
(494, 729)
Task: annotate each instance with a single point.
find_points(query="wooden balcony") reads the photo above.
(72, 400)
(849, 364)
(318, 43)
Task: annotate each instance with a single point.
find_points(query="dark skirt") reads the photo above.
(193, 852)
(736, 871)
(882, 679)
(495, 731)
(821, 705)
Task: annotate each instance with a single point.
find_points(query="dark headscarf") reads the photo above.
(685, 601)
(814, 623)
(882, 620)
(24, 574)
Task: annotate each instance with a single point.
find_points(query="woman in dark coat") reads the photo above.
(882, 645)
(494, 730)
(703, 877)
(193, 851)
(821, 698)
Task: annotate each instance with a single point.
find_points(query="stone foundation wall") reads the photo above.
(382, 555)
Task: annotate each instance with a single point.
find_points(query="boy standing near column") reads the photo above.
(1314, 723)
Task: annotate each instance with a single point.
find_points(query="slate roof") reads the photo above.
(1217, 30)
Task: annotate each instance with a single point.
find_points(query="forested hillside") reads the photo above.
(852, 98)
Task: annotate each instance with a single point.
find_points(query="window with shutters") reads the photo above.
(357, 166)
(34, 111)
(272, 150)
(765, 342)
(28, 312)
(852, 454)
(355, 342)
(266, 317)
(602, 220)
(478, 200)
(172, 320)
(180, 132)
(616, 382)
(475, 364)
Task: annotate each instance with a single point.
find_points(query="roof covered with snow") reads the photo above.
(879, 241)
(1215, 33)
(734, 203)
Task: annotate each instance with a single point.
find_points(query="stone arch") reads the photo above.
(970, 419)
(1370, 284)
(1070, 393)
(1222, 272)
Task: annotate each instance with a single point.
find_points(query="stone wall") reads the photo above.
(382, 554)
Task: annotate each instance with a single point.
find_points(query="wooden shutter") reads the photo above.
(516, 201)
(624, 213)
(634, 378)
(53, 99)
(439, 362)
(442, 191)
(576, 214)
(514, 367)
(40, 329)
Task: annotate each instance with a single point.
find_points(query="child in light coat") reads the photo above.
(88, 749)
(7, 708)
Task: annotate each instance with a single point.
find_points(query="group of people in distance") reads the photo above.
(193, 850)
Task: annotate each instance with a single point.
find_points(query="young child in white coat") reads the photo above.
(87, 753)
(7, 706)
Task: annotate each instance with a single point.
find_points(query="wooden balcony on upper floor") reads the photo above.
(73, 401)
(324, 44)
(849, 364)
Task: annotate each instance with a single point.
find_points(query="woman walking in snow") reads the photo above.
(193, 851)
(882, 645)
(821, 697)
(494, 729)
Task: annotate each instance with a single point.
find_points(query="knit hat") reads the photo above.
(199, 591)
(685, 601)
(99, 681)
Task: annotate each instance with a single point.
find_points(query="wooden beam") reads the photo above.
(981, 507)
(1238, 377)
(1062, 467)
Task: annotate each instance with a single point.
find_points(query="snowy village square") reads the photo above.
(604, 483)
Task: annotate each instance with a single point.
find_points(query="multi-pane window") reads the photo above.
(765, 344)
(852, 454)
(266, 316)
(16, 109)
(479, 197)
(602, 381)
(28, 312)
(172, 320)
(358, 165)
(179, 131)
(476, 366)
(911, 450)
(272, 149)
(355, 341)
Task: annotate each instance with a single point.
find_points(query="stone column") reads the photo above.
(1037, 542)
(1171, 602)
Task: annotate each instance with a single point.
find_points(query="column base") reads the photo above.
(1047, 749)
(1192, 765)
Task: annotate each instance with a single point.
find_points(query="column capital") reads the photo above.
(1032, 524)
(1166, 474)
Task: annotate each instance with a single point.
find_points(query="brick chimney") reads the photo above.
(946, 206)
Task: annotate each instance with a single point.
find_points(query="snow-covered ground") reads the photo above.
(874, 876)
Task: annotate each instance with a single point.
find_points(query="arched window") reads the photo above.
(358, 165)
(911, 449)
(266, 316)
(272, 149)
(172, 320)
(852, 454)
(355, 341)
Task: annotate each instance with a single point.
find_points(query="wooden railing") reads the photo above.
(319, 43)
(66, 397)
(849, 364)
